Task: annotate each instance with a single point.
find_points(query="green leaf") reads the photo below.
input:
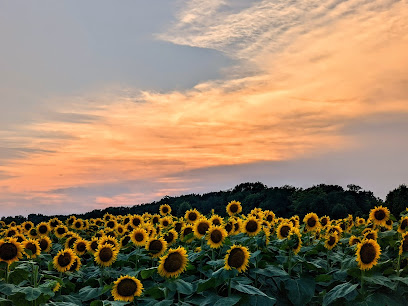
(154, 292)
(206, 284)
(97, 303)
(381, 280)
(18, 276)
(257, 300)
(8, 289)
(300, 291)
(271, 271)
(184, 287)
(148, 272)
(31, 294)
(248, 289)
(228, 301)
(323, 278)
(88, 293)
(347, 291)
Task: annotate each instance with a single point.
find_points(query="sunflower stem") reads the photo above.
(290, 262)
(362, 281)
(229, 287)
(178, 297)
(399, 265)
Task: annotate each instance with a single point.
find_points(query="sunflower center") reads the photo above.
(251, 226)
(354, 241)
(343, 226)
(173, 262)
(8, 251)
(285, 231)
(32, 247)
(216, 236)
(139, 237)
(105, 254)
(379, 215)
(64, 260)
(187, 231)
(155, 246)
(54, 223)
(125, 240)
(27, 226)
(110, 224)
(370, 236)
(72, 241)
(234, 208)
(165, 209)
(60, 230)
(43, 244)
(236, 258)
(404, 224)
(192, 216)
(81, 247)
(74, 265)
(94, 245)
(178, 226)
(216, 222)
(367, 253)
(11, 233)
(155, 220)
(202, 228)
(405, 245)
(332, 241)
(165, 223)
(127, 287)
(169, 237)
(42, 229)
(324, 221)
(228, 227)
(136, 221)
(78, 224)
(269, 218)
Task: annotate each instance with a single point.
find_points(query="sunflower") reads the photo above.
(27, 225)
(201, 227)
(379, 215)
(237, 227)
(404, 244)
(170, 237)
(360, 221)
(64, 260)
(331, 240)
(237, 258)
(389, 224)
(192, 215)
(45, 244)
(33, 233)
(20, 237)
(173, 263)
(124, 241)
(368, 252)
(178, 225)
(283, 230)
(295, 221)
(234, 208)
(107, 217)
(295, 240)
(109, 240)
(165, 222)
(335, 229)
(78, 224)
(371, 234)
(155, 219)
(139, 236)
(76, 265)
(403, 225)
(120, 229)
(325, 221)
(312, 221)
(185, 231)
(92, 245)
(54, 222)
(70, 221)
(216, 236)
(10, 250)
(105, 255)
(80, 246)
(125, 288)
(251, 226)
(111, 224)
(156, 247)
(165, 209)
(57, 287)
(60, 231)
(354, 240)
(269, 216)
(69, 243)
(230, 226)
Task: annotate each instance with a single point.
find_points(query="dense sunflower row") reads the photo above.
(150, 251)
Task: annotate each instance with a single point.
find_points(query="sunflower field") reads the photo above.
(253, 259)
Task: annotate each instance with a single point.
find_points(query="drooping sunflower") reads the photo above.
(216, 236)
(331, 240)
(125, 288)
(156, 247)
(10, 250)
(354, 240)
(20, 237)
(389, 224)
(368, 252)
(325, 221)
(70, 221)
(201, 227)
(237, 257)
(60, 231)
(92, 245)
(173, 263)
(27, 225)
(335, 229)
(404, 244)
(234, 208)
(295, 240)
(170, 237)
(80, 246)
(105, 255)
(360, 221)
(295, 221)
(379, 215)
(45, 244)
(192, 215)
(283, 230)
(185, 231)
(139, 236)
(251, 226)
(76, 265)
(107, 217)
(311, 221)
(165, 209)
(230, 226)
(64, 260)
(238, 225)
(403, 225)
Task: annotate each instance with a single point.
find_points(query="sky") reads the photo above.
(107, 103)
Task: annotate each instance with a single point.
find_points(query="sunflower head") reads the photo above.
(216, 220)
(354, 240)
(269, 216)
(165, 222)
(80, 246)
(284, 229)
(201, 227)
(125, 288)
(178, 225)
(139, 236)
(170, 237)
(216, 236)
(165, 209)
(155, 219)
(185, 231)
(331, 240)
(379, 215)
(60, 231)
(92, 245)
(368, 252)
(156, 247)
(105, 255)
(27, 225)
(403, 225)
(64, 260)
(234, 208)
(10, 250)
(45, 244)
(295, 240)
(173, 263)
(325, 221)
(124, 241)
(192, 215)
(76, 264)
(371, 234)
(31, 248)
(404, 244)
(237, 258)
(311, 221)
(251, 226)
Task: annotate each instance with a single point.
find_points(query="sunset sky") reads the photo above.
(111, 103)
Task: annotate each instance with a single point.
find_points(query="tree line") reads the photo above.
(330, 200)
